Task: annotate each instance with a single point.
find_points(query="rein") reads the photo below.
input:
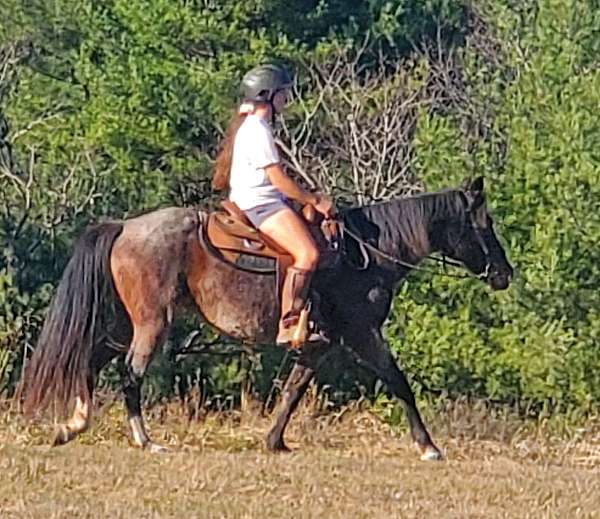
(397, 261)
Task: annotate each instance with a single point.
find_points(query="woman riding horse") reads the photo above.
(128, 279)
(248, 163)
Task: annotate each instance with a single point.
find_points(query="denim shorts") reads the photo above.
(257, 215)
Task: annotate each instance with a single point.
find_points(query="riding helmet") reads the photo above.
(262, 82)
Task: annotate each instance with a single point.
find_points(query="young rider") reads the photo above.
(248, 163)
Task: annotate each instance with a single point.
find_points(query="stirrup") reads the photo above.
(301, 332)
(316, 337)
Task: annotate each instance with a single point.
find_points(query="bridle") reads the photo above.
(364, 246)
(482, 245)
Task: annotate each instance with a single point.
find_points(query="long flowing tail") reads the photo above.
(59, 368)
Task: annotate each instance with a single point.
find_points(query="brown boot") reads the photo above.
(293, 305)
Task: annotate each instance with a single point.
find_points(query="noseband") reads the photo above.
(482, 245)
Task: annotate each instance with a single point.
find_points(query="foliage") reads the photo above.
(538, 342)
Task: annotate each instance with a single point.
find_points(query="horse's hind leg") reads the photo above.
(82, 414)
(146, 338)
(295, 386)
(78, 423)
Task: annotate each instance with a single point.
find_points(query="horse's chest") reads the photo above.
(361, 303)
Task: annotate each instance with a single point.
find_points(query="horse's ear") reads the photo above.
(474, 186)
(477, 185)
(473, 189)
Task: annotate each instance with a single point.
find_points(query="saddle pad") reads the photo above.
(259, 264)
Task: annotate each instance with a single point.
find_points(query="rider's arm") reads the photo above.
(265, 155)
(288, 186)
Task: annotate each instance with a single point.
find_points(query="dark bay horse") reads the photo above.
(126, 280)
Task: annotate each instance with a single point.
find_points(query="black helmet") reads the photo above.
(262, 82)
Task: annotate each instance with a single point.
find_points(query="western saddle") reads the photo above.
(230, 232)
(236, 240)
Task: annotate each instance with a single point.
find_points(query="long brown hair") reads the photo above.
(222, 167)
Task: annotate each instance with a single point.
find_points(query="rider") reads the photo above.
(248, 163)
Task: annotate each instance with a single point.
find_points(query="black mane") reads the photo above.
(401, 226)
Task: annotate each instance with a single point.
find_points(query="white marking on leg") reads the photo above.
(431, 453)
(80, 421)
(140, 437)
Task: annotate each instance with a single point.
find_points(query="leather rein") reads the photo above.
(364, 246)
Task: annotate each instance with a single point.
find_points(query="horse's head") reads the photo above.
(472, 240)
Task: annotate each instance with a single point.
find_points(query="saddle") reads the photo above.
(234, 239)
(231, 233)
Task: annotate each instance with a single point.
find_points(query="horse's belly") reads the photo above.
(240, 304)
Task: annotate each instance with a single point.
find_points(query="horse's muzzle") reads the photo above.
(500, 279)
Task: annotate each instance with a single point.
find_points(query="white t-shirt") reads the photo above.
(253, 150)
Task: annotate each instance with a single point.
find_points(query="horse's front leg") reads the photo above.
(295, 386)
(374, 354)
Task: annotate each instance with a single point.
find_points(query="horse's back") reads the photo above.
(163, 223)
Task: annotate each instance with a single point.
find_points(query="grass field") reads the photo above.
(344, 464)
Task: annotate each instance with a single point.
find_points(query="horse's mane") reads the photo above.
(402, 225)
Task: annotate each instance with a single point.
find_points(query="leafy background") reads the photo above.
(115, 108)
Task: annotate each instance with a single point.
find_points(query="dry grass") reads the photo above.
(345, 464)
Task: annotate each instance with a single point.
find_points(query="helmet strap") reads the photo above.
(272, 105)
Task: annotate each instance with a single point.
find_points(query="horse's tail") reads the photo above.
(59, 368)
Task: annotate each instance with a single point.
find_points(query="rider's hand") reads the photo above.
(325, 206)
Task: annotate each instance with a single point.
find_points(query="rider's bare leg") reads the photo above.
(288, 230)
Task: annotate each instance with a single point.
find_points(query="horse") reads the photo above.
(126, 280)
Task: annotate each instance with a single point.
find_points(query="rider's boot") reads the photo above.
(293, 321)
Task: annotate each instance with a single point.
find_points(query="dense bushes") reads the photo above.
(538, 341)
(116, 109)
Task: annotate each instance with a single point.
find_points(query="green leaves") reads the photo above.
(116, 107)
(537, 342)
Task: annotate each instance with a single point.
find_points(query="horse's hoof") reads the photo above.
(277, 446)
(61, 436)
(155, 448)
(431, 453)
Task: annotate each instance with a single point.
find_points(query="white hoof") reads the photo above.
(62, 435)
(431, 454)
(155, 448)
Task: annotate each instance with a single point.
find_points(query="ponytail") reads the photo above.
(222, 167)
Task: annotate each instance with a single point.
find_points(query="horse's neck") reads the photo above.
(444, 209)
(405, 228)
(381, 226)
